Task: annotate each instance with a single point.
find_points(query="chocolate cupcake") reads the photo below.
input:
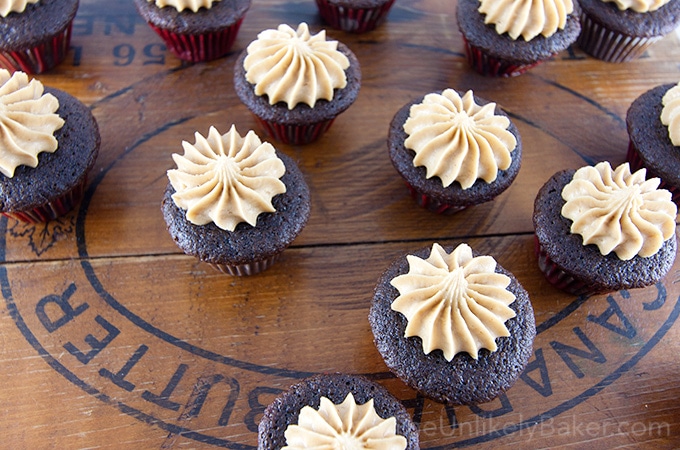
(600, 229)
(289, 107)
(497, 45)
(195, 31)
(621, 30)
(35, 35)
(454, 150)
(49, 144)
(301, 415)
(235, 202)
(653, 123)
(452, 324)
(354, 16)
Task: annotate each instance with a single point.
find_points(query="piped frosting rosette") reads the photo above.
(456, 139)
(226, 179)
(295, 66)
(16, 6)
(639, 6)
(454, 302)
(619, 211)
(28, 120)
(526, 18)
(670, 114)
(343, 426)
(181, 5)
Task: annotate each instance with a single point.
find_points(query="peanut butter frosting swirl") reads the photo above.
(455, 139)
(295, 66)
(17, 6)
(670, 114)
(181, 5)
(226, 179)
(454, 302)
(640, 6)
(526, 18)
(618, 211)
(28, 120)
(345, 426)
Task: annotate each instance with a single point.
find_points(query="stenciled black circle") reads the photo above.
(138, 321)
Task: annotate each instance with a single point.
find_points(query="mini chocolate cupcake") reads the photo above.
(195, 31)
(235, 202)
(35, 35)
(354, 16)
(454, 150)
(49, 143)
(653, 123)
(452, 324)
(508, 37)
(621, 30)
(600, 229)
(296, 106)
(364, 412)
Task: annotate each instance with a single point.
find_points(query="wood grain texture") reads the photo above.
(111, 338)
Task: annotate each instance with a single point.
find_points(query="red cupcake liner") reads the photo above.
(246, 269)
(295, 134)
(353, 20)
(557, 276)
(40, 58)
(51, 210)
(609, 45)
(492, 66)
(199, 47)
(636, 163)
(431, 204)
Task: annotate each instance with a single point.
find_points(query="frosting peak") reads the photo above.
(640, 6)
(28, 121)
(17, 6)
(670, 114)
(294, 66)
(226, 179)
(618, 211)
(454, 302)
(526, 18)
(180, 5)
(455, 139)
(346, 426)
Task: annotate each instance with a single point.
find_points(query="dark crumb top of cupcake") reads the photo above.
(285, 409)
(221, 15)
(358, 4)
(653, 23)
(603, 272)
(301, 114)
(650, 136)
(59, 172)
(485, 37)
(39, 22)
(273, 233)
(463, 380)
(480, 191)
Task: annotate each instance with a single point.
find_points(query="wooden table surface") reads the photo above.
(111, 337)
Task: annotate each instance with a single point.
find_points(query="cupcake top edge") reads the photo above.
(619, 211)
(295, 66)
(670, 113)
(526, 18)
(455, 302)
(226, 179)
(29, 120)
(181, 5)
(347, 423)
(457, 139)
